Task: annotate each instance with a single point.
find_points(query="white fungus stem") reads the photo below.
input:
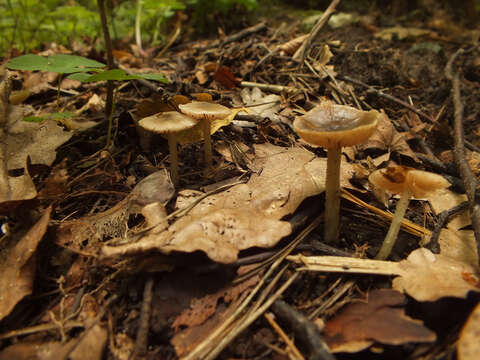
(207, 146)
(389, 241)
(172, 148)
(332, 195)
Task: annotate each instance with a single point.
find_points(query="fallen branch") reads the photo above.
(469, 180)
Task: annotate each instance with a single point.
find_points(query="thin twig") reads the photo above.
(469, 180)
(300, 54)
(443, 218)
(305, 330)
(141, 341)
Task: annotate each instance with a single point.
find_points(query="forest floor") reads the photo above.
(98, 261)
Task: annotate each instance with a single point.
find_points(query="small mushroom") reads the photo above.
(206, 112)
(333, 126)
(169, 123)
(407, 183)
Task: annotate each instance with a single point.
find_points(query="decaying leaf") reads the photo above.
(446, 199)
(266, 106)
(201, 309)
(17, 266)
(468, 345)
(387, 138)
(380, 317)
(92, 344)
(87, 234)
(401, 33)
(459, 245)
(246, 215)
(429, 277)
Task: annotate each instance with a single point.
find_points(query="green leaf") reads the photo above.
(28, 62)
(34, 119)
(115, 74)
(154, 77)
(120, 75)
(61, 63)
(79, 76)
(52, 116)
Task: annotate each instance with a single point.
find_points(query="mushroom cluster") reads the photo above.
(171, 123)
(332, 127)
(407, 183)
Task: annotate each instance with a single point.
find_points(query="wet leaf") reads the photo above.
(380, 317)
(17, 266)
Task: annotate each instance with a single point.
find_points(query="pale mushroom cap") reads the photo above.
(398, 179)
(205, 110)
(167, 122)
(330, 125)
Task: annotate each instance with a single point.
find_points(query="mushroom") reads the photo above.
(407, 183)
(333, 126)
(205, 112)
(169, 123)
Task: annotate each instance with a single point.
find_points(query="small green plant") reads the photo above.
(78, 68)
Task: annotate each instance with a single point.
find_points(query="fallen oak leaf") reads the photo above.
(18, 266)
(380, 317)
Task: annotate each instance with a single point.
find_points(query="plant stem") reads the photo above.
(207, 146)
(109, 52)
(332, 196)
(389, 241)
(172, 148)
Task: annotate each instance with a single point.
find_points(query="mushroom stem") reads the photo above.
(207, 146)
(172, 148)
(389, 241)
(332, 198)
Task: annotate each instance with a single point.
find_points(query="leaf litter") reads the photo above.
(145, 231)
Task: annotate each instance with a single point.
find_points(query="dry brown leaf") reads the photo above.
(17, 266)
(459, 245)
(203, 308)
(429, 277)
(401, 33)
(446, 199)
(92, 344)
(85, 235)
(245, 215)
(380, 317)
(387, 138)
(291, 46)
(468, 346)
(266, 106)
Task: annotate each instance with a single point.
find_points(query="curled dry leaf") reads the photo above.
(291, 46)
(380, 317)
(387, 138)
(245, 215)
(17, 266)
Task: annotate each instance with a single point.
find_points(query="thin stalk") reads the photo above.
(207, 145)
(389, 241)
(332, 195)
(172, 148)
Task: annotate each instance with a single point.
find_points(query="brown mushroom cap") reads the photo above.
(398, 179)
(330, 125)
(167, 122)
(205, 110)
